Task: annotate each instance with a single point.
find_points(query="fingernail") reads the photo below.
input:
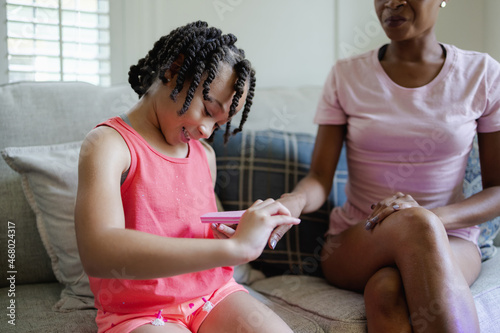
(368, 225)
(395, 207)
(214, 225)
(374, 219)
(273, 243)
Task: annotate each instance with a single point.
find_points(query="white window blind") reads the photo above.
(58, 40)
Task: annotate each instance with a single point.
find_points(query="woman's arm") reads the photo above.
(478, 208)
(484, 205)
(106, 247)
(313, 190)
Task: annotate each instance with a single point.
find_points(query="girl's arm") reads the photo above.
(313, 190)
(107, 248)
(485, 205)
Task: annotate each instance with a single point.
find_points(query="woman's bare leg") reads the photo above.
(385, 302)
(415, 242)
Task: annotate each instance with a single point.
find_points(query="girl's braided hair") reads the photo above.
(202, 49)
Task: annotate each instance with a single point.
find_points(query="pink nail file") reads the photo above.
(232, 217)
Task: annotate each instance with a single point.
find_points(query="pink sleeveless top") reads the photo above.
(164, 196)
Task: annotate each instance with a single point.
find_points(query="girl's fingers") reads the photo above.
(275, 208)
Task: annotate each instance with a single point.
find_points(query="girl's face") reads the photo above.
(407, 19)
(202, 116)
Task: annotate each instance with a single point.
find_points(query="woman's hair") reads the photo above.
(200, 49)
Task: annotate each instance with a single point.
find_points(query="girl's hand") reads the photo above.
(256, 225)
(388, 206)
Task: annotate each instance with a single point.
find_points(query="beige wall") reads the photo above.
(462, 23)
(290, 42)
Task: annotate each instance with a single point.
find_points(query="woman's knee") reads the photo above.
(418, 225)
(384, 290)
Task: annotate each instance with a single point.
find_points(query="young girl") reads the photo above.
(144, 182)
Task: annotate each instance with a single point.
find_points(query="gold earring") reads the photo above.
(443, 4)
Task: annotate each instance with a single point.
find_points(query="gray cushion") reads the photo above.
(34, 312)
(42, 113)
(49, 179)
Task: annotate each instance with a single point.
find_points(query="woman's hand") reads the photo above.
(223, 231)
(388, 206)
(291, 201)
(256, 225)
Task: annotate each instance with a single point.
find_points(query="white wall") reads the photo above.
(289, 42)
(491, 28)
(460, 23)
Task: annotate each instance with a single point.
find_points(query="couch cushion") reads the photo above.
(266, 164)
(34, 312)
(298, 320)
(335, 310)
(473, 184)
(42, 113)
(486, 292)
(49, 179)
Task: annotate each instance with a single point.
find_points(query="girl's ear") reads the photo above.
(174, 68)
(177, 64)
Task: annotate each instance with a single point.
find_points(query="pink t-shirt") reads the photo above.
(412, 140)
(163, 196)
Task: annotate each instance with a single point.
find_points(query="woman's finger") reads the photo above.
(222, 231)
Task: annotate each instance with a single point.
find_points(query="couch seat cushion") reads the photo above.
(334, 309)
(34, 312)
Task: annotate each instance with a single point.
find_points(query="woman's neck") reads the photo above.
(415, 51)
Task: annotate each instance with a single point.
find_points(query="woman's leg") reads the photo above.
(385, 302)
(240, 312)
(415, 242)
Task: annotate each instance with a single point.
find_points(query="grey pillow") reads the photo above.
(49, 180)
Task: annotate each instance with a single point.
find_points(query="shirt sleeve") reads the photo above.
(490, 119)
(329, 110)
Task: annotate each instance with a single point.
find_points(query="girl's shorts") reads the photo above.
(190, 314)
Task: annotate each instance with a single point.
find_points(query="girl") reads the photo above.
(144, 182)
(408, 112)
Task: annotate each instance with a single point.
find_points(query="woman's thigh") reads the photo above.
(467, 258)
(352, 257)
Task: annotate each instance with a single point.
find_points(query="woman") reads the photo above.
(408, 113)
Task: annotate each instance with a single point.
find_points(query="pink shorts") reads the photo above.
(470, 234)
(190, 314)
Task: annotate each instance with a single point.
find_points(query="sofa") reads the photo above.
(43, 286)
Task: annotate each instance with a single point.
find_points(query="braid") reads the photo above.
(245, 73)
(198, 50)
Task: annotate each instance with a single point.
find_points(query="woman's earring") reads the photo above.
(443, 4)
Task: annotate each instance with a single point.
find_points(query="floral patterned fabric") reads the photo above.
(472, 185)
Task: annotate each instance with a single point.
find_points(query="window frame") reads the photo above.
(101, 76)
